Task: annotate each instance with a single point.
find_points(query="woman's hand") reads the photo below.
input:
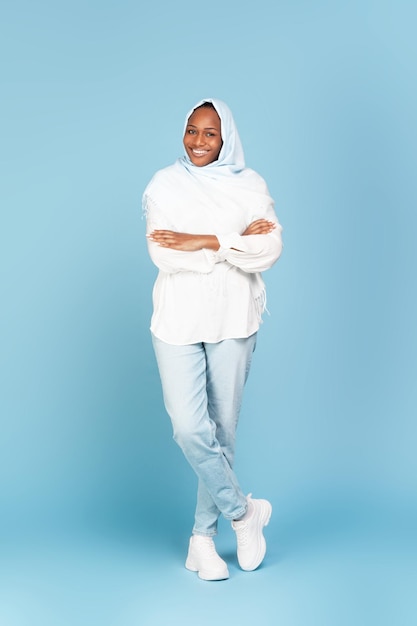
(183, 241)
(259, 227)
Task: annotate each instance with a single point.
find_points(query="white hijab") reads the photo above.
(225, 185)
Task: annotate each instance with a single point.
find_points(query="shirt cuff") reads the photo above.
(229, 241)
(211, 256)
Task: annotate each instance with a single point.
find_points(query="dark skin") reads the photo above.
(191, 243)
(202, 141)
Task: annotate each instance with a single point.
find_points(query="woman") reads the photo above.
(211, 230)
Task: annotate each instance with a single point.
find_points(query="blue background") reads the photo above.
(96, 502)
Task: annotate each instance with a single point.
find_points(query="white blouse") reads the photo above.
(207, 296)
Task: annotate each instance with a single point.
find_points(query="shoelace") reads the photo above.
(242, 533)
(208, 545)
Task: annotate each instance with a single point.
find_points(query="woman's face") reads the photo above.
(202, 138)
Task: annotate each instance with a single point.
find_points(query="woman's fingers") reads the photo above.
(176, 241)
(155, 234)
(162, 236)
(259, 227)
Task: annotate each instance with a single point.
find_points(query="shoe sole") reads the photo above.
(206, 575)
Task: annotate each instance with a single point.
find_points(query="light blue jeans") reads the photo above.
(202, 384)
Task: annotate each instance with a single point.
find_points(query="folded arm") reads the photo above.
(252, 251)
(255, 250)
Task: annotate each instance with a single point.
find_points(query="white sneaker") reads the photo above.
(203, 558)
(251, 545)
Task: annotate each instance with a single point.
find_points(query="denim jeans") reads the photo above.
(202, 384)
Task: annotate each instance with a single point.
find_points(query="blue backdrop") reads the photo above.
(93, 102)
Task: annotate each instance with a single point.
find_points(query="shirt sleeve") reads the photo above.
(173, 261)
(252, 253)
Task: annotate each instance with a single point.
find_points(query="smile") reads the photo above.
(199, 152)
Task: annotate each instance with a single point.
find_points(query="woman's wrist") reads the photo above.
(210, 242)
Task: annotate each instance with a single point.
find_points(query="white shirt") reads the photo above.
(207, 296)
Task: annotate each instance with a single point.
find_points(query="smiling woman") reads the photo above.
(202, 138)
(211, 231)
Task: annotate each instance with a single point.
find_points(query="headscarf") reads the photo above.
(231, 159)
(222, 187)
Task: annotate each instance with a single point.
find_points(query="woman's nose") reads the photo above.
(200, 139)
